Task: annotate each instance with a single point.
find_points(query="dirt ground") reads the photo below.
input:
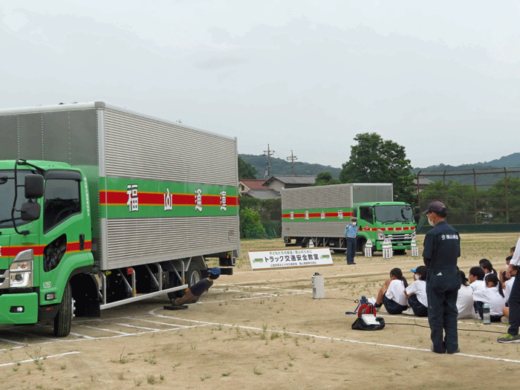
(263, 330)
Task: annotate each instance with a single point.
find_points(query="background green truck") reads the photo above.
(321, 213)
(111, 207)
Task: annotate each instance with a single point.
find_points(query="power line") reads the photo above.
(292, 158)
(268, 153)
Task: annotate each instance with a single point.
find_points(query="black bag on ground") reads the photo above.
(360, 324)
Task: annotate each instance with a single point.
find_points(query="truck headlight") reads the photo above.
(21, 273)
(380, 235)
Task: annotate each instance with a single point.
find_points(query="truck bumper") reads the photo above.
(9, 303)
(395, 245)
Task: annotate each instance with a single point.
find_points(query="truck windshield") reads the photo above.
(7, 197)
(401, 213)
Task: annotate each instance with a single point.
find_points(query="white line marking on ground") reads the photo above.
(426, 319)
(138, 327)
(106, 330)
(45, 357)
(152, 312)
(82, 336)
(159, 323)
(13, 342)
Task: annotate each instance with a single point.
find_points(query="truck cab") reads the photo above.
(45, 242)
(380, 220)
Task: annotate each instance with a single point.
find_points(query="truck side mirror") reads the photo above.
(31, 211)
(417, 210)
(33, 187)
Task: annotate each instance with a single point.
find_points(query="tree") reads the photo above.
(374, 160)
(250, 225)
(245, 170)
(325, 179)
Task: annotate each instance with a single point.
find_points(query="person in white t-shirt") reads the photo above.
(507, 292)
(465, 299)
(392, 293)
(476, 279)
(493, 296)
(416, 292)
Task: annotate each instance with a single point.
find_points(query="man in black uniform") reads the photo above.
(441, 251)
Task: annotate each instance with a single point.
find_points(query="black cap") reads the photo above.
(436, 207)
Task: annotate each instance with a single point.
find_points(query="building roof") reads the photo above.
(263, 194)
(253, 184)
(422, 181)
(305, 180)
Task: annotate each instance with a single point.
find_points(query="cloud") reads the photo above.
(217, 63)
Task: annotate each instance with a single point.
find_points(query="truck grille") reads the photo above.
(399, 237)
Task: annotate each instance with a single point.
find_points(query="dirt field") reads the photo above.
(263, 330)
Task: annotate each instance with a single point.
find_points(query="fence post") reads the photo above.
(475, 197)
(444, 186)
(418, 189)
(507, 196)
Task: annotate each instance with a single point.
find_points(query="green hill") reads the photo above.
(283, 167)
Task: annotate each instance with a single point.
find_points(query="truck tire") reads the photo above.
(192, 276)
(63, 320)
(400, 252)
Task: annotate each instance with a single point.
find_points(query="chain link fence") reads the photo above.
(473, 196)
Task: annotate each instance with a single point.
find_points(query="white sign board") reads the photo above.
(290, 258)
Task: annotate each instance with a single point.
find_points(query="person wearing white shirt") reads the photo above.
(392, 293)
(493, 296)
(476, 279)
(416, 292)
(465, 299)
(507, 291)
(512, 335)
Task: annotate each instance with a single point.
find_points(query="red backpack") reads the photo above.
(366, 308)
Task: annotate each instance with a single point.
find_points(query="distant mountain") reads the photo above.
(283, 167)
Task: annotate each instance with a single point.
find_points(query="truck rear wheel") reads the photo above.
(63, 320)
(192, 276)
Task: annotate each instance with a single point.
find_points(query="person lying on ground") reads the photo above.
(194, 292)
(392, 293)
(494, 296)
(416, 292)
(503, 273)
(465, 299)
(476, 279)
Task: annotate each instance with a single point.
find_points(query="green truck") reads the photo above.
(320, 214)
(101, 206)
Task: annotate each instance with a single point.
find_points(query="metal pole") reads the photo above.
(418, 189)
(507, 197)
(475, 197)
(444, 186)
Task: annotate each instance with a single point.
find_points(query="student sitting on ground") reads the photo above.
(486, 265)
(503, 273)
(476, 279)
(507, 293)
(392, 293)
(493, 296)
(465, 299)
(416, 292)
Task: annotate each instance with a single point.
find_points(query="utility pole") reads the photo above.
(268, 153)
(291, 159)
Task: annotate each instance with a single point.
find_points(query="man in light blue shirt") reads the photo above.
(351, 237)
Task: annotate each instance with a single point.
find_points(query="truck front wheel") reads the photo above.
(63, 320)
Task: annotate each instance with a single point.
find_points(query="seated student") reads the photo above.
(416, 292)
(493, 296)
(476, 279)
(392, 293)
(465, 299)
(507, 293)
(503, 273)
(512, 251)
(486, 265)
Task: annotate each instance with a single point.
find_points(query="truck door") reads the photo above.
(64, 231)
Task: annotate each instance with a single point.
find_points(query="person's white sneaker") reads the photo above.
(409, 312)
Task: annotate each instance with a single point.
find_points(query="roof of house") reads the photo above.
(253, 184)
(307, 179)
(422, 181)
(263, 194)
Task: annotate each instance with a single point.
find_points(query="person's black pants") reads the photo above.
(418, 308)
(442, 287)
(514, 308)
(351, 250)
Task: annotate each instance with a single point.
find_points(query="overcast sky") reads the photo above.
(441, 78)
